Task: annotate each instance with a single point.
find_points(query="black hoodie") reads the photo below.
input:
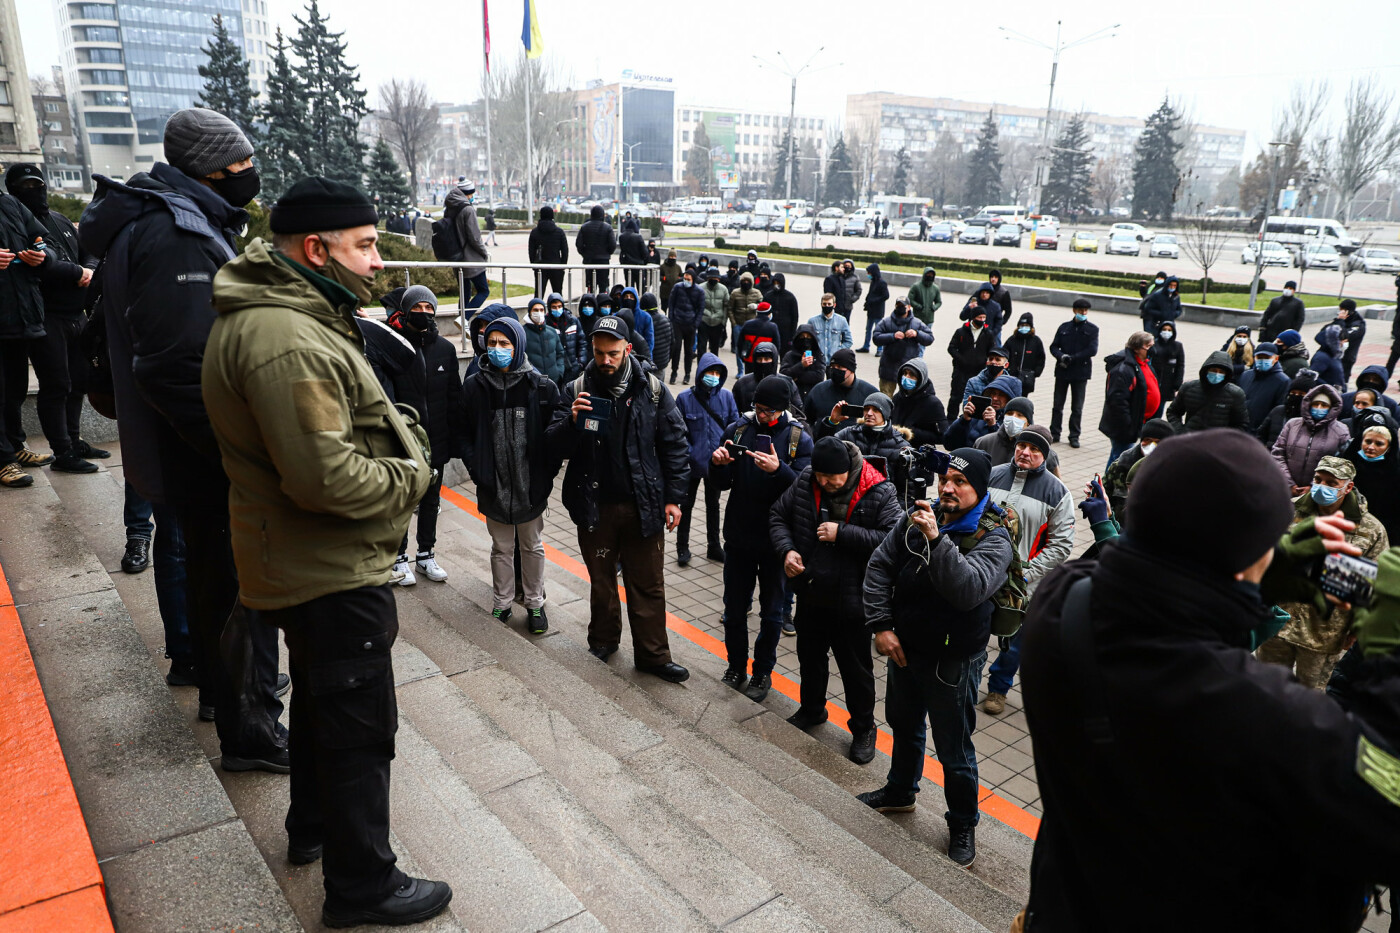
(1025, 352)
(785, 313)
(806, 377)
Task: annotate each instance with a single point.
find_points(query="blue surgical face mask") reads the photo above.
(1325, 495)
(908, 384)
(1318, 413)
(586, 310)
(500, 357)
(711, 380)
(1013, 425)
(1167, 334)
(1370, 459)
(1081, 317)
(1215, 378)
(1264, 363)
(557, 312)
(1023, 330)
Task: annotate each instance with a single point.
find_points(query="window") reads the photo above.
(106, 98)
(106, 120)
(96, 34)
(685, 136)
(7, 134)
(104, 56)
(748, 119)
(57, 145)
(50, 107)
(102, 76)
(4, 92)
(766, 119)
(93, 11)
(110, 139)
(685, 116)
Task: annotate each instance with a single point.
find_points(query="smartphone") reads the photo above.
(763, 444)
(853, 411)
(596, 420)
(736, 449)
(1350, 579)
(980, 403)
(807, 354)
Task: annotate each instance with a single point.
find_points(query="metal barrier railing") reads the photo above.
(648, 278)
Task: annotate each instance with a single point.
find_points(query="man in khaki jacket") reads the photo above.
(324, 474)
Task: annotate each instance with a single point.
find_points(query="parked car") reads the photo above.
(1141, 233)
(987, 220)
(1007, 235)
(829, 225)
(738, 221)
(854, 226)
(802, 225)
(1047, 236)
(760, 222)
(975, 233)
(1123, 243)
(1319, 256)
(1274, 254)
(1049, 220)
(909, 230)
(831, 212)
(1083, 242)
(958, 227)
(941, 233)
(1373, 260)
(1164, 246)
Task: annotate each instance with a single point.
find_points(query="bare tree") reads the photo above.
(1110, 181)
(864, 147)
(1296, 124)
(1017, 169)
(409, 120)
(550, 112)
(1204, 242)
(1368, 140)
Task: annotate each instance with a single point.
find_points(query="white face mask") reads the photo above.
(536, 317)
(1147, 448)
(1013, 425)
(1240, 340)
(1288, 293)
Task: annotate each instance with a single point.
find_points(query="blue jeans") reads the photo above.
(738, 357)
(1002, 674)
(481, 287)
(1116, 450)
(168, 562)
(742, 568)
(935, 697)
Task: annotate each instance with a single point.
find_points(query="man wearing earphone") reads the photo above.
(928, 599)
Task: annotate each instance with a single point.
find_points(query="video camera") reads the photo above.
(922, 464)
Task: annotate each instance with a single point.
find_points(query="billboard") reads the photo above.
(602, 132)
(720, 128)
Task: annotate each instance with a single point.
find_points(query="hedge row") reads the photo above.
(1008, 268)
(651, 224)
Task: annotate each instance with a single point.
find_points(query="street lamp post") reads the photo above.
(1057, 48)
(1264, 223)
(793, 75)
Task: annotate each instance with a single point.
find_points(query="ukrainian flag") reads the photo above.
(530, 32)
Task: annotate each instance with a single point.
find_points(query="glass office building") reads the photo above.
(130, 64)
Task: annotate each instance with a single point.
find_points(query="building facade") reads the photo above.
(19, 132)
(58, 140)
(903, 120)
(743, 143)
(130, 64)
(620, 139)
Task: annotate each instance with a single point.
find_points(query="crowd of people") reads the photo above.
(277, 440)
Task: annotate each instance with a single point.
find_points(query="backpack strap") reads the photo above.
(1077, 638)
(794, 438)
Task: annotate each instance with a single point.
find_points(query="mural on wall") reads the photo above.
(604, 107)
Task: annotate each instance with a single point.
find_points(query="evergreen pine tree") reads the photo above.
(1155, 172)
(384, 180)
(334, 101)
(899, 184)
(984, 165)
(840, 178)
(1069, 187)
(780, 161)
(226, 87)
(282, 160)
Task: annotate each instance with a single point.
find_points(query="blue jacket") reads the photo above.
(832, 333)
(642, 319)
(1262, 392)
(570, 338)
(687, 303)
(1075, 346)
(1327, 361)
(962, 432)
(545, 351)
(708, 415)
(899, 352)
(979, 384)
(752, 492)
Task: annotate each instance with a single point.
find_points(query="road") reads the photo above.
(1378, 288)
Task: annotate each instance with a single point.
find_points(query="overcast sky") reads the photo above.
(1231, 64)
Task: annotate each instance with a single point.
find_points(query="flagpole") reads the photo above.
(529, 145)
(486, 102)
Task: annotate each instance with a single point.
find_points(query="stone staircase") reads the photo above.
(553, 791)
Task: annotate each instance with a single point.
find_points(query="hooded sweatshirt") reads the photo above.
(1372, 377)
(1327, 361)
(707, 413)
(785, 312)
(460, 209)
(1162, 305)
(925, 297)
(919, 410)
(806, 377)
(964, 433)
(1200, 405)
(991, 306)
(878, 294)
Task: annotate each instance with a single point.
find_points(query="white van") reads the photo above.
(1300, 232)
(775, 207)
(1008, 213)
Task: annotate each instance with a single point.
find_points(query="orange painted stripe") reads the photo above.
(999, 808)
(49, 879)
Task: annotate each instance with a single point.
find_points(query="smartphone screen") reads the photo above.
(980, 403)
(763, 443)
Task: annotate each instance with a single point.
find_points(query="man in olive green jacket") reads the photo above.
(324, 474)
(925, 297)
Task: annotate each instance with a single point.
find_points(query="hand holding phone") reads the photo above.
(853, 411)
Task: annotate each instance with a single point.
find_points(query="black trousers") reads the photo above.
(597, 279)
(682, 343)
(344, 716)
(1075, 389)
(427, 518)
(712, 512)
(238, 667)
(712, 337)
(821, 630)
(554, 278)
(50, 367)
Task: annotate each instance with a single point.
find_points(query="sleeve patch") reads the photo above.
(1378, 768)
(193, 278)
(318, 403)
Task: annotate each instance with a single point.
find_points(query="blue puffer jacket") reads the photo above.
(686, 304)
(980, 383)
(899, 352)
(570, 338)
(707, 413)
(962, 432)
(642, 320)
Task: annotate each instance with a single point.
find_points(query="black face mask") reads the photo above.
(1293, 406)
(835, 374)
(36, 199)
(238, 188)
(766, 368)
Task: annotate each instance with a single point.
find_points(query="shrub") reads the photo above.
(69, 207)
(719, 242)
(443, 282)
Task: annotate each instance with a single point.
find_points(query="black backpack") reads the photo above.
(447, 245)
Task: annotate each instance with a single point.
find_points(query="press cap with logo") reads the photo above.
(612, 327)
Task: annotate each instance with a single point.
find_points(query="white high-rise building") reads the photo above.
(19, 133)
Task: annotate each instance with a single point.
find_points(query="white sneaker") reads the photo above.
(429, 568)
(403, 572)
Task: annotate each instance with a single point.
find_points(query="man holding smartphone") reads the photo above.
(628, 474)
(928, 599)
(1312, 642)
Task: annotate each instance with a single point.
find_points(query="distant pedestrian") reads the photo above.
(1075, 345)
(491, 226)
(460, 210)
(548, 245)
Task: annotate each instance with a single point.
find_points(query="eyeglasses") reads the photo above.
(762, 413)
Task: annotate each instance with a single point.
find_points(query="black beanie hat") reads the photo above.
(1306, 380)
(976, 466)
(315, 204)
(773, 392)
(830, 456)
(1158, 428)
(845, 358)
(1231, 464)
(546, 213)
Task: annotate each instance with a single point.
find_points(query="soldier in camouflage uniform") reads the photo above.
(1309, 644)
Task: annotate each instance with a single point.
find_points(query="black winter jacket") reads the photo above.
(877, 294)
(687, 303)
(632, 249)
(596, 241)
(884, 442)
(752, 491)
(970, 354)
(548, 243)
(446, 423)
(823, 398)
(920, 409)
(834, 574)
(1125, 398)
(1075, 345)
(806, 378)
(785, 311)
(59, 275)
(1283, 313)
(540, 398)
(1026, 354)
(655, 440)
(21, 303)
(1179, 673)
(1168, 361)
(398, 365)
(662, 334)
(1200, 405)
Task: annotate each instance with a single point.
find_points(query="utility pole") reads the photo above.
(486, 103)
(1264, 224)
(529, 143)
(793, 75)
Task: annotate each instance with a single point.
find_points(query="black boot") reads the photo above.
(417, 900)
